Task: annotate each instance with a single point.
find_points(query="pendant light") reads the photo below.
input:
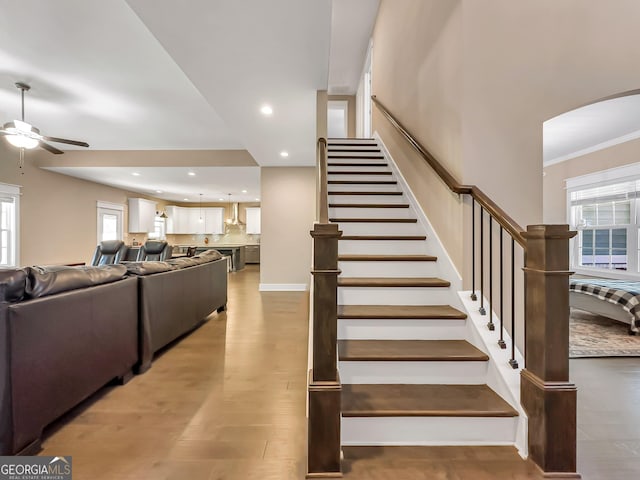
(200, 219)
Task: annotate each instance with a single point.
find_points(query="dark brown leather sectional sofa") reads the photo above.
(65, 332)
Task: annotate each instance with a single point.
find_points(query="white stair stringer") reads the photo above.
(428, 430)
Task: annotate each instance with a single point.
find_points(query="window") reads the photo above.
(9, 215)
(109, 221)
(606, 220)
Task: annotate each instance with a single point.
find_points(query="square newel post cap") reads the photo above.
(548, 247)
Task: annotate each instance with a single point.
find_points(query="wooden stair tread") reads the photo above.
(357, 172)
(386, 258)
(362, 182)
(410, 350)
(373, 220)
(364, 193)
(392, 282)
(368, 205)
(418, 312)
(363, 157)
(423, 400)
(383, 237)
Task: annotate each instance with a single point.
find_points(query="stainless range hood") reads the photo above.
(235, 219)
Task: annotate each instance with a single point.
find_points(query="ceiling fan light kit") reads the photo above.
(23, 135)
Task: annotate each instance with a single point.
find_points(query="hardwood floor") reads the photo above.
(228, 402)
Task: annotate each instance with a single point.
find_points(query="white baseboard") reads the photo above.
(283, 287)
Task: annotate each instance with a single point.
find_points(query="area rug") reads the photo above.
(595, 336)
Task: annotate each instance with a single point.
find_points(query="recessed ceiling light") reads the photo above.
(244, 191)
(257, 199)
(284, 154)
(135, 174)
(192, 174)
(185, 199)
(266, 110)
(221, 199)
(158, 191)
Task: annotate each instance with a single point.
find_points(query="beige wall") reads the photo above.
(351, 112)
(417, 53)
(58, 218)
(288, 213)
(474, 81)
(555, 195)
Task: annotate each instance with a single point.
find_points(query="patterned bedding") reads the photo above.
(620, 292)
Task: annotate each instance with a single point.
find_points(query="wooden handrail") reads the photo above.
(323, 205)
(500, 216)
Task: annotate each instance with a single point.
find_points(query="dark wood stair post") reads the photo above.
(547, 395)
(323, 455)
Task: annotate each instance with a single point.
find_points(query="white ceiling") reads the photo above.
(591, 128)
(351, 27)
(157, 75)
(175, 183)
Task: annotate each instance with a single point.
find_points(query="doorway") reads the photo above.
(337, 118)
(110, 221)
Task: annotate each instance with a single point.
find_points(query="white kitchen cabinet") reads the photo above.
(142, 215)
(253, 220)
(186, 220)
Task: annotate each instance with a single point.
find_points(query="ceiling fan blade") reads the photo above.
(50, 148)
(64, 140)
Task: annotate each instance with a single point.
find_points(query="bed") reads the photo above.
(617, 299)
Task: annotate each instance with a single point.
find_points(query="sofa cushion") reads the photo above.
(47, 280)
(12, 284)
(183, 262)
(210, 255)
(147, 268)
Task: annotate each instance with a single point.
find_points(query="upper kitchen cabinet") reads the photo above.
(142, 215)
(194, 220)
(253, 220)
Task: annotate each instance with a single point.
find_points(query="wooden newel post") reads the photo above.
(323, 455)
(546, 393)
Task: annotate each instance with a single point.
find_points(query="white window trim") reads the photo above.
(14, 191)
(111, 206)
(629, 172)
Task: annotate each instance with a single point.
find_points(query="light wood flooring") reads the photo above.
(228, 402)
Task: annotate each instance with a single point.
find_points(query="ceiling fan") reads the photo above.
(24, 135)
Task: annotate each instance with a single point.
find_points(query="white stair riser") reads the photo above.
(380, 228)
(364, 198)
(340, 148)
(362, 187)
(345, 212)
(389, 269)
(383, 247)
(360, 177)
(395, 296)
(381, 167)
(401, 329)
(443, 373)
(428, 430)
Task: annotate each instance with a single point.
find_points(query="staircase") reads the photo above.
(409, 374)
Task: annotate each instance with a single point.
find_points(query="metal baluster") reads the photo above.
(491, 325)
(474, 297)
(501, 342)
(513, 362)
(482, 310)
